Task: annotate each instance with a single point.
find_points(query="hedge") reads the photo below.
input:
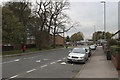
(114, 49)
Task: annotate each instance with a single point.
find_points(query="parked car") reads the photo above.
(95, 45)
(78, 55)
(88, 50)
(92, 47)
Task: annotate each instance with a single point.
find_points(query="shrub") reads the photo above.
(119, 43)
(114, 49)
(47, 47)
(112, 42)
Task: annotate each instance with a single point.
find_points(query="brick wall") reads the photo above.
(59, 40)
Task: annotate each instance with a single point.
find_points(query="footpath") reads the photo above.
(98, 67)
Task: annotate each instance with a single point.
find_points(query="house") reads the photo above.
(59, 40)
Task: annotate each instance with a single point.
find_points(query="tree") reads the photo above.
(49, 15)
(100, 35)
(67, 39)
(12, 29)
(22, 10)
(77, 37)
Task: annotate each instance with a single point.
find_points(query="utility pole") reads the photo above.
(94, 34)
(104, 3)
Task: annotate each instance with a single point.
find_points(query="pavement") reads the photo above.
(98, 67)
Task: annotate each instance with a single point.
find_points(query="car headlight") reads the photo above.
(69, 56)
(81, 57)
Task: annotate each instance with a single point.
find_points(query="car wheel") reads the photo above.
(84, 62)
(69, 61)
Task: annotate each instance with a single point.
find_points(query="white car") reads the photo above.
(78, 55)
(92, 47)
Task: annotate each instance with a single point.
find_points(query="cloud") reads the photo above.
(90, 14)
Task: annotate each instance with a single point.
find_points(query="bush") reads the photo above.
(114, 49)
(119, 43)
(7, 48)
(47, 47)
(30, 46)
(111, 42)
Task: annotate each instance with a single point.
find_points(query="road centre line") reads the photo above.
(59, 60)
(52, 63)
(10, 61)
(43, 66)
(13, 76)
(17, 60)
(30, 71)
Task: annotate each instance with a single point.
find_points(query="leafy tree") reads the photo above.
(77, 37)
(21, 10)
(100, 35)
(12, 29)
(67, 39)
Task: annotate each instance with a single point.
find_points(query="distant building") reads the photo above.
(59, 40)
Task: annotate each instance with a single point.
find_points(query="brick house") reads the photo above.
(59, 40)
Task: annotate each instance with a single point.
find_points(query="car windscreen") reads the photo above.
(81, 51)
(92, 46)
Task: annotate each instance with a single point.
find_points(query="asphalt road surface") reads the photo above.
(46, 64)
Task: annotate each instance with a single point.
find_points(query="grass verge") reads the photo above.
(29, 50)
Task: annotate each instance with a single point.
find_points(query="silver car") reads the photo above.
(78, 55)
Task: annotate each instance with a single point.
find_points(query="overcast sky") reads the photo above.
(90, 14)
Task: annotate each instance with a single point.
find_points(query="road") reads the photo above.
(46, 64)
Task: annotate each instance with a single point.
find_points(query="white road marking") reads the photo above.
(13, 76)
(59, 60)
(63, 63)
(7, 62)
(30, 57)
(17, 60)
(43, 66)
(38, 61)
(45, 59)
(30, 70)
(52, 63)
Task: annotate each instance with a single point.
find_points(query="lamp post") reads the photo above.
(104, 19)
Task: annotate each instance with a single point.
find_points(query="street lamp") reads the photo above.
(104, 19)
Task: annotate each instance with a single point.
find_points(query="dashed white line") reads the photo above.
(52, 63)
(43, 66)
(59, 60)
(30, 71)
(13, 76)
(45, 59)
(10, 61)
(38, 61)
(17, 60)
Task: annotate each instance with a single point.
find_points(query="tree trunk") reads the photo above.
(54, 40)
